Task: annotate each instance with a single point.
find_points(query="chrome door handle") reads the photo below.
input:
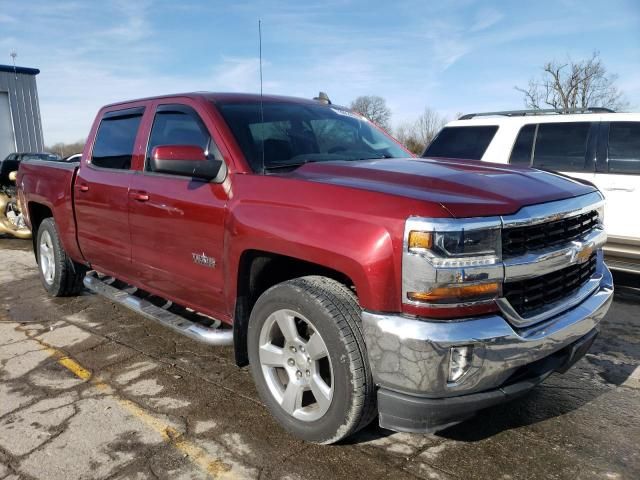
(139, 196)
(83, 188)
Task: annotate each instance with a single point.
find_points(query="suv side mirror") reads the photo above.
(13, 176)
(185, 160)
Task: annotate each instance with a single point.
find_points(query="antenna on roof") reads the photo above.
(13, 56)
(261, 105)
(323, 98)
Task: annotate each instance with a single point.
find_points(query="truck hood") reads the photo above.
(464, 188)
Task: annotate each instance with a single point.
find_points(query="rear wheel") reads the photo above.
(308, 359)
(60, 275)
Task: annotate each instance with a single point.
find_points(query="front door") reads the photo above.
(101, 195)
(176, 222)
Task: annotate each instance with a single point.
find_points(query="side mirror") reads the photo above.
(185, 160)
(13, 176)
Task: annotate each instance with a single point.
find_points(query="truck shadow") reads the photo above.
(541, 404)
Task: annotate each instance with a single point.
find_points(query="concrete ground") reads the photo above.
(90, 390)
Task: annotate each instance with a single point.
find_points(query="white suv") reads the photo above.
(597, 145)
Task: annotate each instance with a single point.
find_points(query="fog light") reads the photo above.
(459, 362)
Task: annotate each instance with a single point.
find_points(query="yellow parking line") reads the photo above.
(215, 467)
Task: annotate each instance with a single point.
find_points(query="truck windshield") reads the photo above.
(293, 134)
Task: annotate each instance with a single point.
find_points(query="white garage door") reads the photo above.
(7, 138)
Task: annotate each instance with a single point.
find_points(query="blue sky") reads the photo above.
(453, 56)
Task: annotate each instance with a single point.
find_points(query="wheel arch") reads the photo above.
(258, 270)
(37, 212)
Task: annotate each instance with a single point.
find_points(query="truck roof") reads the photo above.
(227, 97)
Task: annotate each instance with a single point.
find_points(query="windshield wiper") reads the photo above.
(382, 155)
(279, 166)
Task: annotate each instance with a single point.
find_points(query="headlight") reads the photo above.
(458, 248)
(600, 211)
(449, 262)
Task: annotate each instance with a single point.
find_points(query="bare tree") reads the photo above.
(407, 135)
(570, 85)
(374, 108)
(66, 149)
(417, 135)
(428, 125)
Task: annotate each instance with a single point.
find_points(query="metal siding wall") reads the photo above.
(25, 111)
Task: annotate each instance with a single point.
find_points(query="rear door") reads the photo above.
(565, 147)
(618, 177)
(177, 222)
(101, 195)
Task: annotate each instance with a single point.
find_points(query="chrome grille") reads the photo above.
(520, 240)
(527, 296)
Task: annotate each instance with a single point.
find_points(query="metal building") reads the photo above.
(20, 123)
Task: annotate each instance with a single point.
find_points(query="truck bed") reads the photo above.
(50, 185)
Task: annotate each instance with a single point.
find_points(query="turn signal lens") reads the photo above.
(457, 293)
(420, 241)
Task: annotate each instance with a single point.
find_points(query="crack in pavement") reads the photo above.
(215, 467)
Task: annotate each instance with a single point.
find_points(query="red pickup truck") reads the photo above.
(353, 278)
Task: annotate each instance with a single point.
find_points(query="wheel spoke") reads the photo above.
(321, 391)
(316, 347)
(272, 356)
(292, 398)
(287, 326)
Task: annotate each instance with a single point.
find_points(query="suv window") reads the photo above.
(115, 139)
(521, 153)
(562, 146)
(624, 147)
(462, 142)
(180, 125)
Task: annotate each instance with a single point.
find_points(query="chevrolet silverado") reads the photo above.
(354, 279)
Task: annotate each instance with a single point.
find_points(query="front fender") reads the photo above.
(361, 249)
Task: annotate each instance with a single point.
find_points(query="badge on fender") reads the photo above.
(204, 260)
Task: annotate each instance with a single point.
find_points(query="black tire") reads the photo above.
(68, 275)
(334, 312)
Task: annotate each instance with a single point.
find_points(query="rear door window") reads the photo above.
(521, 153)
(115, 139)
(562, 146)
(462, 142)
(624, 147)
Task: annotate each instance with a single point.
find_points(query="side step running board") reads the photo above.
(195, 330)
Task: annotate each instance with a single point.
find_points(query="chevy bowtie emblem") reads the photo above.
(204, 260)
(583, 253)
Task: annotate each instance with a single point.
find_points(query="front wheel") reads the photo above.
(308, 359)
(60, 275)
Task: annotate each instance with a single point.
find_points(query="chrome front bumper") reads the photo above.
(410, 355)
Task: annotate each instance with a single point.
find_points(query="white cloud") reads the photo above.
(420, 53)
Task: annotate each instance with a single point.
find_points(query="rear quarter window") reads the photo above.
(462, 142)
(624, 147)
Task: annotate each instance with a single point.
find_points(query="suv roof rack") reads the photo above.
(543, 111)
